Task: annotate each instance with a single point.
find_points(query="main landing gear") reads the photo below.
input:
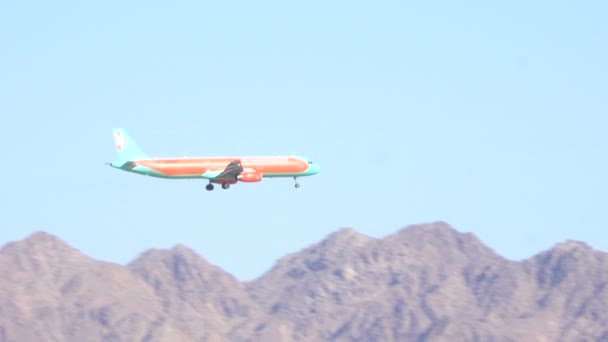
(210, 186)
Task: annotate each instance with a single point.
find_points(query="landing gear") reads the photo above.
(225, 186)
(209, 187)
(297, 185)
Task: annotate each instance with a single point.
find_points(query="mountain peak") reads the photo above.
(346, 237)
(39, 242)
(186, 283)
(181, 249)
(433, 228)
(180, 253)
(41, 235)
(179, 263)
(572, 245)
(41, 253)
(427, 232)
(567, 249)
(39, 239)
(440, 237)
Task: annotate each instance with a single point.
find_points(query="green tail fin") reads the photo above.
(127, 148)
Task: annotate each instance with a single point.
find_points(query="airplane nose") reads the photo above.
(314, 168)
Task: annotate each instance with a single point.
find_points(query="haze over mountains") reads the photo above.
(424, 282)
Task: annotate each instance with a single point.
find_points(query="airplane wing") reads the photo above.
(231, 171)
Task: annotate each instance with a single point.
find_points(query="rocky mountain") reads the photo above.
(199, 301)
(51, 292)
(423, 283)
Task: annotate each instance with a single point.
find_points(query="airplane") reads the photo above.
(217, 170)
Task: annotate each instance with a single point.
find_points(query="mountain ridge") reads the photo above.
(341, 233)
(422, 282)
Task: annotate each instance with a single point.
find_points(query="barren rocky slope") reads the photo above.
(424, 282)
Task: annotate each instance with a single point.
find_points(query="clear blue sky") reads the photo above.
(491, 117)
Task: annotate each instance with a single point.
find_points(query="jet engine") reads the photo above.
(250, 177)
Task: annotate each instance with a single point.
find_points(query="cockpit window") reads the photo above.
(309, 162)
